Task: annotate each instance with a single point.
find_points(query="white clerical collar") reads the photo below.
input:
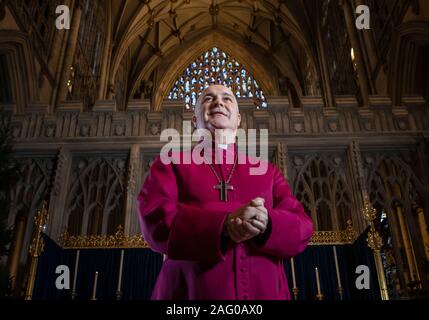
(223, 146)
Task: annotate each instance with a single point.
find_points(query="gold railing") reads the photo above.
(117, 240)
(120, 240)
(347, 236)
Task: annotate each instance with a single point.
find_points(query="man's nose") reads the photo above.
(217, 101)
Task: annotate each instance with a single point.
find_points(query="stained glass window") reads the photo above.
(216, 67)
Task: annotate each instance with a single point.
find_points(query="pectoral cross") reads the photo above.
(223, 188)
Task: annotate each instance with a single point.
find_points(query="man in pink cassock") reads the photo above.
(224, 231)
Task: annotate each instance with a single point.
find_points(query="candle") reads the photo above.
(292, 265)
(120, 271)
(317, 281)
(336, 266)
(94, 290)
(76, 266)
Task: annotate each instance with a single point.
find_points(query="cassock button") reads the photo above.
(244, 283)
(243, 269)
(243, 256)
(245, 296)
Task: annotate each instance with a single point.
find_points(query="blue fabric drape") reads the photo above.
(322, 257)
(51, 257)
(141, 268)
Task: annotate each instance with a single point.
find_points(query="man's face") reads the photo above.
(217, 108)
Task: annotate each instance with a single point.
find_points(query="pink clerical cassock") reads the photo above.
(182, 217)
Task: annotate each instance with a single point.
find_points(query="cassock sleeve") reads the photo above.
(289, 228)
(183, 232)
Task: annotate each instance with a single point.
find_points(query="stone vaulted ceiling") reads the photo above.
(150, 32)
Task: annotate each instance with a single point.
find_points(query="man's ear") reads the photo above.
(194, 121)
(239, 120)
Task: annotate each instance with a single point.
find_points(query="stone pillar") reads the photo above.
(133, 183)
(370, 51)
(358, 185)
(280, 159)
(354, 40)
(70, 52)
(326, 80)
(58, 220)
(58, 52)
(105, 63)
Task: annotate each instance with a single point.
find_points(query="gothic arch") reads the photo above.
(148, 14)
(407, 41)
(189, 53)
(320, 184)
(17, 49)
(95, 198)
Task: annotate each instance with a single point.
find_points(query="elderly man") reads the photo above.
(224, 231)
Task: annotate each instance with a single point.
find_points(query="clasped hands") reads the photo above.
(247, 221)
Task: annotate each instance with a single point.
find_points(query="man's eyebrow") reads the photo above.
(211, 94)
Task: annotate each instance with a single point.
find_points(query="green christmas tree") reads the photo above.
(8, 176)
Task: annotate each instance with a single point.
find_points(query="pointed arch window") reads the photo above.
(216, 67)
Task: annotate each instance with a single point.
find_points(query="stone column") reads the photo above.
(58, 52)
(370, 50)
(58, 220)
(105, 64)
(354, 40)
(358, 185)
(133, 183)
(70, 52)
(326, 80)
